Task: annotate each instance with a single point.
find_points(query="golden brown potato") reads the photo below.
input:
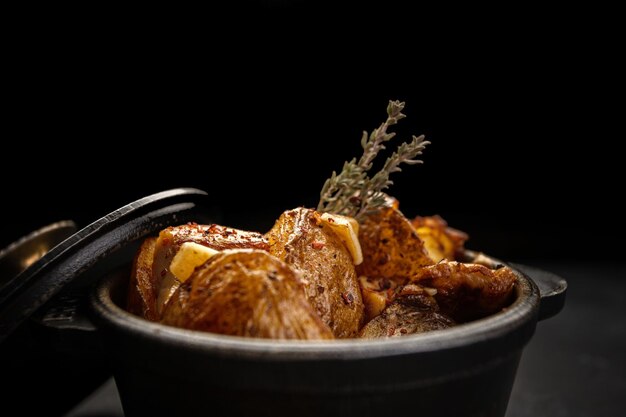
(246, 293)
(306, 243)
(391, 247)
(440, 241)
(377, 295)
(413, 311)
(468, 291)
(212, 236)
(141, 288)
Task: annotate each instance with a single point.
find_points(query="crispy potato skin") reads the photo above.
(141, 288)
(212, 236)
(246, 293)
(413, 311)
(468, 291)
(440, 241)
(391, 247)
(299, 280)
(304, 242)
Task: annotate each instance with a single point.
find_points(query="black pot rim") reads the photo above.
(522, 312)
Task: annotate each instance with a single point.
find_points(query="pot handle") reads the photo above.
(82, 252)
(64, 324)
(552, 289)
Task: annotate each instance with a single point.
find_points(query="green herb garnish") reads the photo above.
(352, 192)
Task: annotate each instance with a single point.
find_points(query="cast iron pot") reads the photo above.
(467, 370)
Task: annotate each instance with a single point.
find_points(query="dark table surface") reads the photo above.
(574, 366)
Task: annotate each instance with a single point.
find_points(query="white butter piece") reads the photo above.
(430, 291)
(347, 229)
(189, 256)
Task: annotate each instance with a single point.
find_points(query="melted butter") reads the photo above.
(188, 258)
(347, 229)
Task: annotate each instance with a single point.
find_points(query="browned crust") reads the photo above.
(142, 289)
(246, 293)
(311, 247)
(213, 236)
(468, 291)
(391, 247)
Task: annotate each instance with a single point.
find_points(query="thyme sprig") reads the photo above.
(352, 192)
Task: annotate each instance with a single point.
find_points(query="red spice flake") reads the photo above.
(330, 220)
(318, 245)
(163, 272)
(348, 298)
(403, 331)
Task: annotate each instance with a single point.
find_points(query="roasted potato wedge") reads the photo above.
(212, 236)
(391, 247)
(142, 293)
(246, 293)
(414, 310)
(305, 242)
(440, 241)
(468, 291)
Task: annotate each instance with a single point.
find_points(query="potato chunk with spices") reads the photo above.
(391, 247)
(310, 245)
(413, 311)
(141, 288)
(246, 293)
(468, 291)
(212, 236)
(440, 241)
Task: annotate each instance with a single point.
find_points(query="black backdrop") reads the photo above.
(521, 106)
(519, 158)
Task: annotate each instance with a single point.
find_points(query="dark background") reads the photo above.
(260, 114)
(257, 104)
